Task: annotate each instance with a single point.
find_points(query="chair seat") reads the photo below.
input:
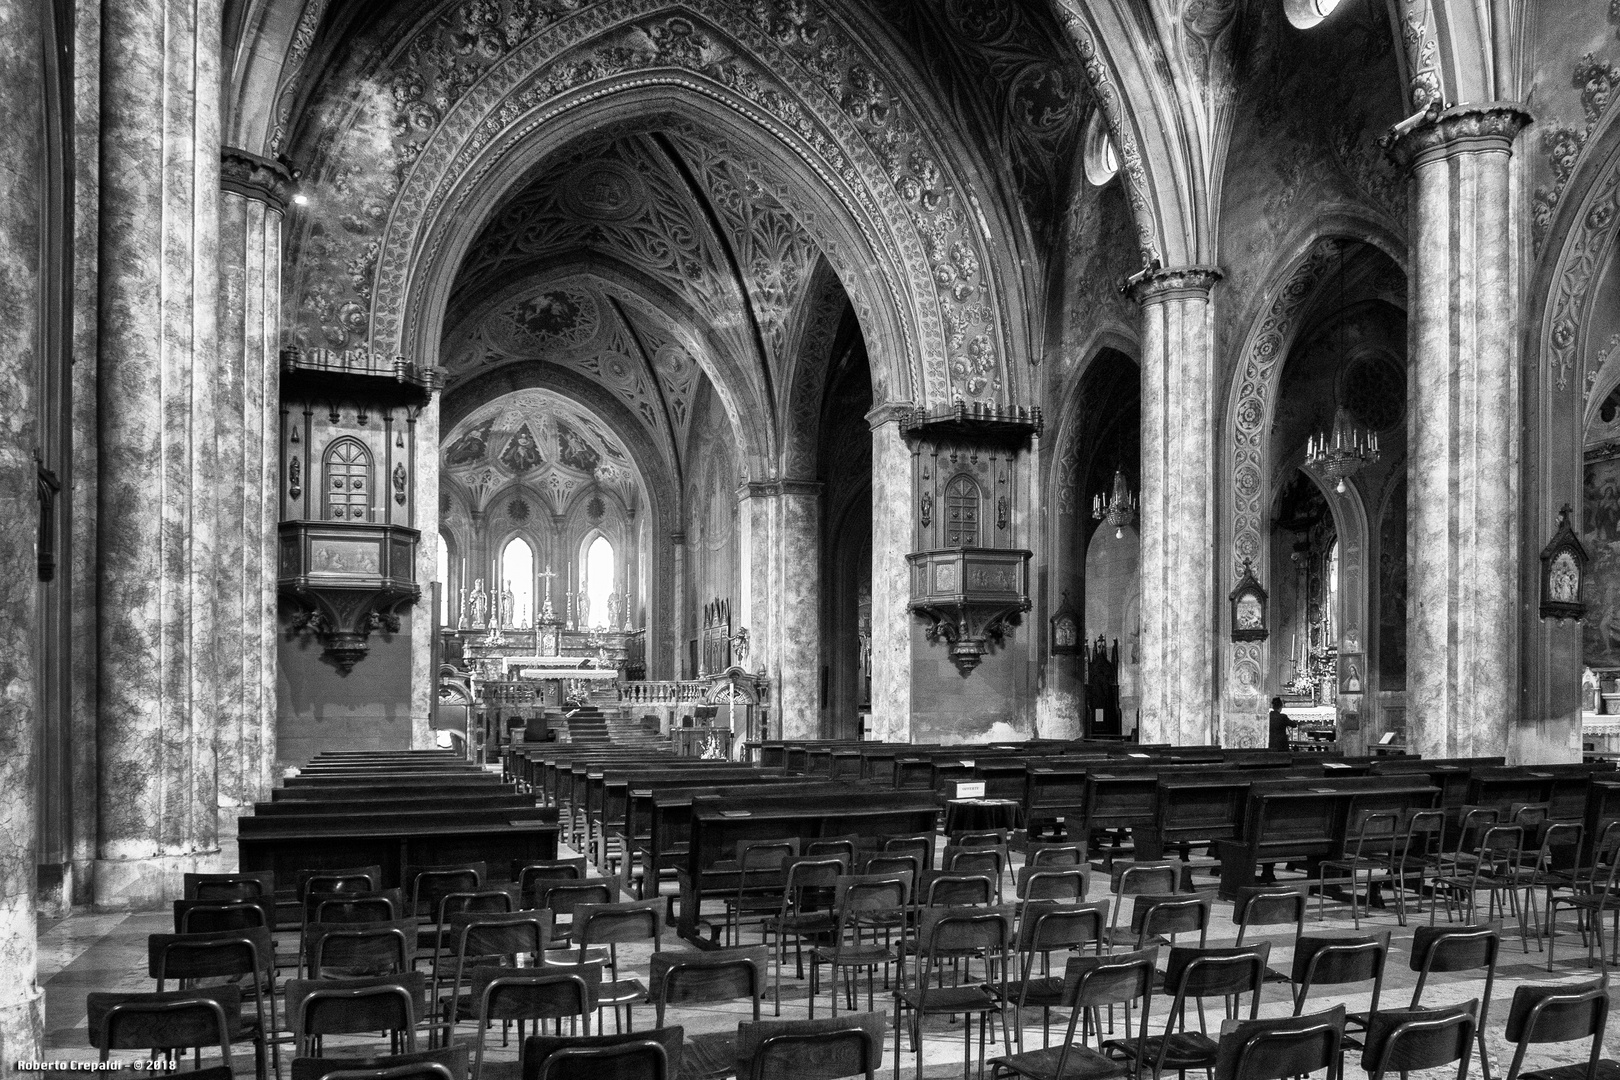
(855, 955)
(810, 922)
(622, 992)
(1044, 992)
(1183, 1050)
(1084, 1063)
(951, 999)
(709, 1057)
(1607, 1069)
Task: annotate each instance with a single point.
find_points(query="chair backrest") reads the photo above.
(210, 956)
(451, 1059)
(385, 905)
(479, 901)
(979, 838)
(562, 897)
(239, 886)
(1269, 905)
(1127, 878)
(1046, 928)
(1425, 832)
(868, 896)
(824, 1049)
(1532, 818)
(1091, 982)
(1054, 855)
(847, 846)
(1454, 948)
(1405, 1040)
(1279, 1048)
(538, 993)
(959, 860)
(955, 932)
(1559, 836)
(364, 948)
(638, 1055)
(547, 870)
(1500, 841)
(691, 978)
(756, 856)
(608, 924)
(918, 844)
(1066, 883)
(1199, 973)
(356, 1005)
(170, 1020)
(1334, 961)
(346, 879)
(802, 873)
(505, 934)
(1173, 914)
(909, 865)
(428, 883)
(957, 890)
(210, 916)
(1543, 1014)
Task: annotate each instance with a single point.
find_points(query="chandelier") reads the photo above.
(1347, 449)
(1344, 451)
(1117, 507)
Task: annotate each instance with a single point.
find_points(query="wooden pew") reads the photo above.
(396, 841)
(658, 825)
(504, 799)
(720, 823)
(607, 793)
(391, 790)
(1286, 822)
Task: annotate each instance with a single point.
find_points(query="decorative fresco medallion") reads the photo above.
(556, 318)
(604, 190)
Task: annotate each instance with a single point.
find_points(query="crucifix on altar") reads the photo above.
(546, 638)
(546, 612)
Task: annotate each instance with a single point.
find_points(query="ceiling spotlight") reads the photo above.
(300, 199)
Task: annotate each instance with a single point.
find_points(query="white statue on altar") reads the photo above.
(508, 599)
(480, 605)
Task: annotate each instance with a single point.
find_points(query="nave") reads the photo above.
(1076, 895)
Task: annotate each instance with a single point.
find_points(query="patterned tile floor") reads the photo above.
(88, 952)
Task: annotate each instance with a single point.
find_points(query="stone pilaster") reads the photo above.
(677, 610)
(1180, 614)
(798, 608)
(159, 472)
(893, 536)
(22, 212)
(253, 201)
(1464, 423)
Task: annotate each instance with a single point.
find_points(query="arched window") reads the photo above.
(962, 512)
(598, 582)
(517, 574)
(346, 479)
(442, 576)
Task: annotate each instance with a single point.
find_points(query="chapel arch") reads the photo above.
(1332, 334)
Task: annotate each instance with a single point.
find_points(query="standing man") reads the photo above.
(1280, 724)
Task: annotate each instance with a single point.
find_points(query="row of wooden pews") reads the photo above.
(398, 811)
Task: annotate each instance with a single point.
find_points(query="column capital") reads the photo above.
(255, 177)
(1156, 283)
(888, 412)
(1461, 129)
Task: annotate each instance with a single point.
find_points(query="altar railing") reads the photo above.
(662, 691)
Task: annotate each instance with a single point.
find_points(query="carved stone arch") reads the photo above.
(919, 232)
(1247, 480)
(1150, 127)
(825, 304)
(737, 390)
(1583, 239)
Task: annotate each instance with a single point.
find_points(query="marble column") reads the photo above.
(1464, 426)
(253, 201)
(798, 608)
(677, 608)
(757, 575)
(22, 180)
(159, 472)
(1180, 612)
(893, 537)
